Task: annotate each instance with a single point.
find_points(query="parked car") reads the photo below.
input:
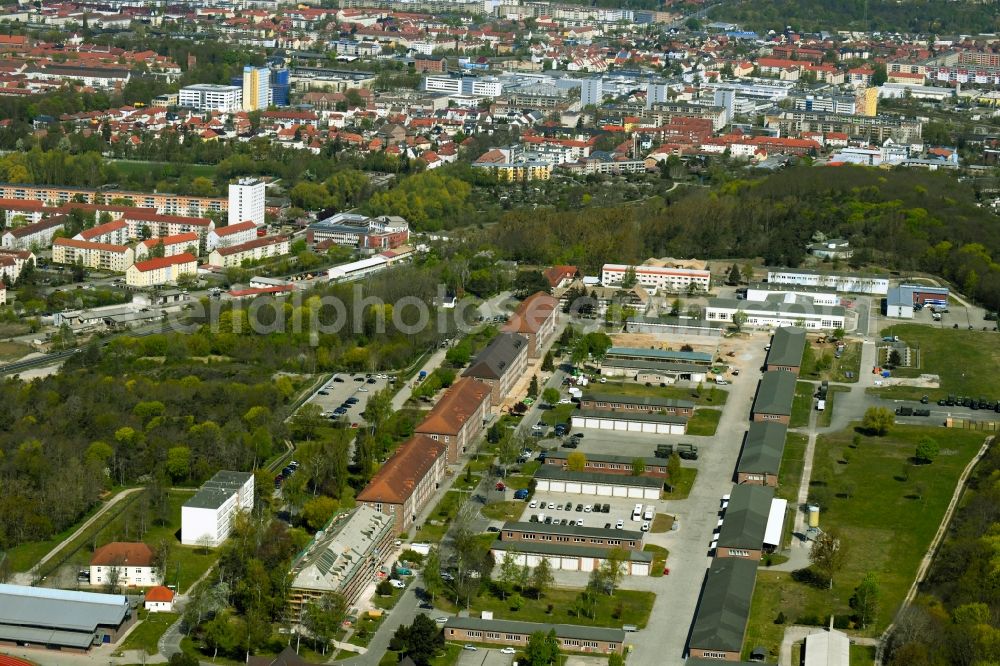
(620, 525)
(469, 647)
(508, 650)
(398, 584)
(521, 494)
(323, 392)
(533, 504)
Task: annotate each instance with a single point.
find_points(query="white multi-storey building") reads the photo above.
(776, 313)
(232, 234)
(246, 201)
(155, 272)
(673, 279)
(212, 97)
(207, 518)
(255, 250)
(466, 85)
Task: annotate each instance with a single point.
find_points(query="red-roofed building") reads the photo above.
(459, 416)
(535, 319)
(155, 272)
(407, 481)
(560, 275)
(172, 245)
(159, 599)
(100, 256)
(233, 234)
(126, 564)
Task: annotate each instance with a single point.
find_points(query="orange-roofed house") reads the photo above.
(407, 481)
(172, 245)
(459, 416)
(159, 599)
(155, 272)
(559, 276)
(535, 319)
(125, 563)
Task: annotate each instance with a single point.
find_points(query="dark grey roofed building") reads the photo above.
(775, 394)
(567, 550)
(572, 530)
(745, 521)
(559, 474)
(494, 361)
(720, 622)
(763, 447)
(572, 637)
(787, 347)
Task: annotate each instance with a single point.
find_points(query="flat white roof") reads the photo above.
(775, 522)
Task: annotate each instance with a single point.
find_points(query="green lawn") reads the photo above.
(886, 510)
(967, 362)
(660, 555)
(364, 630)
(850, 360)
(390, 600)
(127, 168)
(507, 511)
(704, 422)
(634, 607)
(185, 563)
(682, 484)
(148, 632)
(709, 395)
(558, 414)
(802, 404)
(792, 460)
(662, 522)
(442, 515)
(862, 655)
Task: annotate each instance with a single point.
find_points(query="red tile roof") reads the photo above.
(263, 241)
(399, 476)
(159, 593)
(455, 408)
(176, 239)
(533, 311)
(123, 552)
(89, 245)
(235, 228)
(163, 262)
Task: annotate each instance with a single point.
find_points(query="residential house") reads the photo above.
(124, 564)
(160, 271)
(38, 235)
(258, 249)
(172, 245)
(207, 517)
(99, 256)
(159, 599)
(233, 234)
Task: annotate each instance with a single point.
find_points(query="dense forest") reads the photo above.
(954, 619)
(903, 220)
(188, 403)
(914, 16)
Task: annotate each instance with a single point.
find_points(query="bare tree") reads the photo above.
(828, 555)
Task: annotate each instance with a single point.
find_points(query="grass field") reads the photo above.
(967, 362)
(128, 167)
(709, 395)
(682, 484)
(558, 414)
(507, 511)
(850, 361)
(443, 513)
(11, 351)
(792, 460)
(660, 555)
(661, 523)
(146, 635)
(704, 422)
(885, 509)
(630, 606)
(802, 404)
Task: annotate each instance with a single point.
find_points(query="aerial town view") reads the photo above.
(499, 332)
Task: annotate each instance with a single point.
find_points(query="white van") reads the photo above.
(637, 512)
(648, 513)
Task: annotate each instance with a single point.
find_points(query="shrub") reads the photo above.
(780, 619)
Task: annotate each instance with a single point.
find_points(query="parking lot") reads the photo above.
(565, 508)
(358, 386)
(484, 657)
(617, 442)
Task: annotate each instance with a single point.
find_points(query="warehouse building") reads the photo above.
(550, 478)
(762, 291)
(901, 301)
(642, 422)
(788, 344)
(571, 637)
(607, 463)
(61, 619)
(720, 623)
(669, 326)
(827, 648)
(760, 459)
(567, 557)
(593, 537)
(642, 404)
(775, 394)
